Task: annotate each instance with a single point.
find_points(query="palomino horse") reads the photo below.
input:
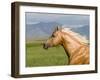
(74, 45)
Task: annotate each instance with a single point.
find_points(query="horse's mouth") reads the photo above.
(46, 46)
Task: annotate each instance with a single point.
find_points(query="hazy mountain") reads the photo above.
(44, 30)
(40, 30)
(82, 30)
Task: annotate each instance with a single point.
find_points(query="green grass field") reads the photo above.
(37, 56)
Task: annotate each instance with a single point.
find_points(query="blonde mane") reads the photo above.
(76, 35)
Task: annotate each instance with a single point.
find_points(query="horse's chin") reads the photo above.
(46, 48)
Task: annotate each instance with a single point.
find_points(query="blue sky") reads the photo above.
(68, 19)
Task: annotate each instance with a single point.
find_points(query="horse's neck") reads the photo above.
(70, 45)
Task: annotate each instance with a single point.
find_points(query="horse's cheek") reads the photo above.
(57, 41)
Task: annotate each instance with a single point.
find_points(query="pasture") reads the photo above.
(37, 56)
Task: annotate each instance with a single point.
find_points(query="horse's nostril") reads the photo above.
(45, 46)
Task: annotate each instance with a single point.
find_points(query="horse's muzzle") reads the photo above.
(45, 46)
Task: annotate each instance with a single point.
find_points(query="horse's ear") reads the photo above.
(59, 27)
(56, 29)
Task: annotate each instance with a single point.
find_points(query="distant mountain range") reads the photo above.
(43, 30)
(83, 30)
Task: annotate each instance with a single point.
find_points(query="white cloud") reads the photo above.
(32, 22)
(72, 26)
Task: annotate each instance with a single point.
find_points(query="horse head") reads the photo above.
(54, 40)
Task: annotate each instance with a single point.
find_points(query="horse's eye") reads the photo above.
(53, 35)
